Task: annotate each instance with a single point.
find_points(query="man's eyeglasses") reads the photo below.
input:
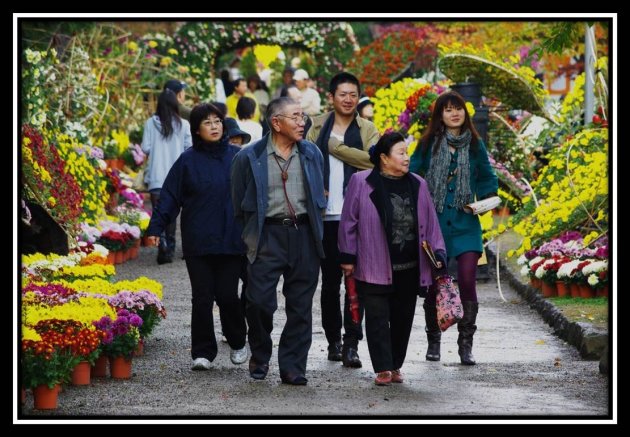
(296, 118)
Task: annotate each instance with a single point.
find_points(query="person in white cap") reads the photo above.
(311, 103)
(365, 108)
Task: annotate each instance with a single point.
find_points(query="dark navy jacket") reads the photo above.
(199, 185)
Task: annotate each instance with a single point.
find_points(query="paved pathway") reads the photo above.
(523, 370)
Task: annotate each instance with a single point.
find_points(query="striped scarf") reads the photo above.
(437, 176)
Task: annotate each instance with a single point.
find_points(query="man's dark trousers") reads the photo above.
(291, 253)
(331, 285)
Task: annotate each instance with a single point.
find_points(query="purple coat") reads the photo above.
(362, 234)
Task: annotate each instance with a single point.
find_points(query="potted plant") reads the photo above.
(143, 303)
(121, 339)
(47, 360)
(596, 274)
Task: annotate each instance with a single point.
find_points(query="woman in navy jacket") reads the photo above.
(453, 160)
(199, 185)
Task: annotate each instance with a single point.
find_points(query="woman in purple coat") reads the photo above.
(386, 214)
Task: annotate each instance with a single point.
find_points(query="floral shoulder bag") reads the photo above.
(448, 303)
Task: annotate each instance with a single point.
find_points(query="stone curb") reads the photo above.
(591, 342)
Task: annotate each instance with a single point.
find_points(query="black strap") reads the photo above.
(284, 175)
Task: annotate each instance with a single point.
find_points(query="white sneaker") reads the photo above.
(238, 356)
(201, 364)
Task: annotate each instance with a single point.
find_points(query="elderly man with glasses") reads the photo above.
(278, 194)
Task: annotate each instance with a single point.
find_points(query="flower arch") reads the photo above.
(198, 44)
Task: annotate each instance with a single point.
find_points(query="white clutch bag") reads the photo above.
(482, 206)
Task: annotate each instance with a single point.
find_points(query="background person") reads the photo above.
(179, 88)
(366, 108)
(340, 131)
(311, 102)
(164, 138)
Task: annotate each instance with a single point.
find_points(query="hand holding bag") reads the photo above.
(448, 303)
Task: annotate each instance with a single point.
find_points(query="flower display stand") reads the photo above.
(45, 398)
(120, 367)
(81, 374)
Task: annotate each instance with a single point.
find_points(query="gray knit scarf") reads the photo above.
(438, 171)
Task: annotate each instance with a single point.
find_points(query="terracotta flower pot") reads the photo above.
(139, 349)
(564, 289)
(99, 369)
(586, 291)
(120, 257)
(81, 374)
(602, 292)
(45, 398)
(575, 290)
(549, 290)
(120, 367)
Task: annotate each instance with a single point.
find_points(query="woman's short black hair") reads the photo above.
(198, 114)
(384, 145)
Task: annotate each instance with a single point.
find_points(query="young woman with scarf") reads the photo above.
(453, 160)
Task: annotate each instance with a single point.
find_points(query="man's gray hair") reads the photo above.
(276, 106)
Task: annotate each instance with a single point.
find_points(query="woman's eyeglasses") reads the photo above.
(213, 122)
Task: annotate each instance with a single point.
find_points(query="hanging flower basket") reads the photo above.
(517, 89)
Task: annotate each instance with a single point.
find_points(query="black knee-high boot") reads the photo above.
(466, 327)
(434, 335)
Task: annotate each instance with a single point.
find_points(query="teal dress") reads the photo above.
(461, 231)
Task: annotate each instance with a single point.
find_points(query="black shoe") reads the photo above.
(350, 358)
(334, 351)
(292, 379)
(164, 258)
(258, 371)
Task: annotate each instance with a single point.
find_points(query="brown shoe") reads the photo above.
(383, 378)
(397, 376)
(257, 370)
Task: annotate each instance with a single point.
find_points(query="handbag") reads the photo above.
(138, 183)
(448, 303)
(447, 300)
